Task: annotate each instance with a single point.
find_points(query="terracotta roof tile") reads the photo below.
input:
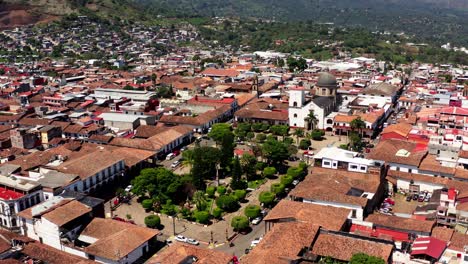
(343, 247)
(331, 218)
(333, 186)
(387, 151)
(178, 252)
(115, 239)
(442, 233)
(400, 223)
(283, 243)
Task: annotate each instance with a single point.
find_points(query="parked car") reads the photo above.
(176, 152)
(255, 242)
(128, 188)
(181, 238)
(264, 212)
(389, 201)
(183, 149)
(175, 163)
(170, 156)
(192, 241)
(421, 197)
(428, 197)
(256, 220)
(295, 182)
(408, 198)
(169, 242)
(415, 197)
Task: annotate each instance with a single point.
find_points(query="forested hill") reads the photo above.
(434, 20)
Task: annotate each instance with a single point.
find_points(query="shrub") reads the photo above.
(252, 211)
(217, 212)
(265, 127)
(221, 190)
(266, 198)
(152, 221)
(250, 135)
(261, 137)
(277, 188)
(210, 191)
(295, 172)
(260, 166)
(147, 204)
(239, 223)
(240, 194)
(185, 213)
(202, 217)
(304, 144)
(269, 172)
(317, 134)
(288, 140)
(227, 202)
(286, 180)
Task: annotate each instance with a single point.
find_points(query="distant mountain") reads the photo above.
(438, 20)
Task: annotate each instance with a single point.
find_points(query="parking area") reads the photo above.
(403, 205)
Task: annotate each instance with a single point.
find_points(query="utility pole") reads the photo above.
(173, 225)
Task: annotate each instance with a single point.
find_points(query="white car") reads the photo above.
(255, 242)
(175, 164)
(192, 241)
(181, 238)
(295, 182)
(256, 221)
(129, 188)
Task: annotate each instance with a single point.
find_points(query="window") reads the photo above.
(353, 214)
(295, 115)
(295, 104)
(363, 168)
(91, 257)
(354, 167)
(326, 163)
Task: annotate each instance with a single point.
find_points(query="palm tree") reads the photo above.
(188, 158)
(311, 120)
(358, 124)
(199, 200)
(298, 133)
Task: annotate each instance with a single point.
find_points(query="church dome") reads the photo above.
(327, 80)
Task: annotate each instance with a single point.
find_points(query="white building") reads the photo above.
(336, 158)
(322, 103)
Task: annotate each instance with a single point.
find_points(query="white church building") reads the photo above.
(321, 100)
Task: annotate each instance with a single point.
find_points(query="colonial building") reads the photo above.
(321, 102)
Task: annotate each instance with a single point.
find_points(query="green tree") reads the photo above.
(147, 204)
(299, 132)
(169, 208)
(248, 163)
(361, 258)
(279, 130)
(239, 223)
(250, 135)
(286, 180)
(204, 165)
(275, 152)
(199, 199)
(317, 134)
(295, 172)
(277, 188)
(217, 213)
(237, 182)
(188, 158)
(261, 137)
(311, 120)
(305, 144)
(227, 202)
(240, 194)
(223, 135)
(266, 198)
(252, 211)
(160, 183)
(210, 191)
(357, 124)
(152, 221)
(269, 172)
(202, 217)
(221, 190)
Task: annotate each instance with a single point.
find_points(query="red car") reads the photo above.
(389, 201)
(176, 152)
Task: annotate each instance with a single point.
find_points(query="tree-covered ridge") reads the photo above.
(439, 21)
